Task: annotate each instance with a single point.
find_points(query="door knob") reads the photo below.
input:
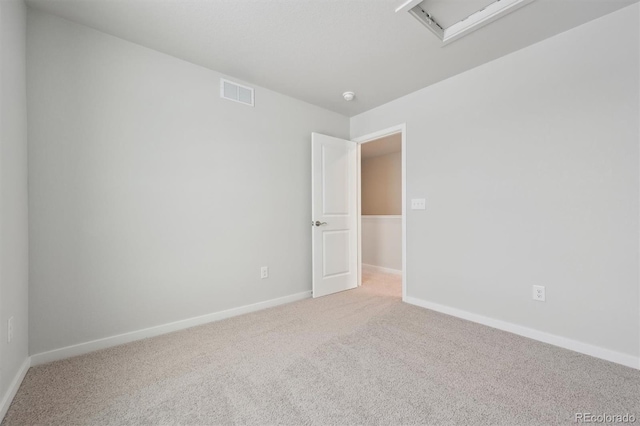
(318, 223)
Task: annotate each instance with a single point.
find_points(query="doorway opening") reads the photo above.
(336, 206)
(382, 212)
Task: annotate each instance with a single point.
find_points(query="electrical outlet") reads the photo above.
(538, 293)
(10, 330)
(264, 272)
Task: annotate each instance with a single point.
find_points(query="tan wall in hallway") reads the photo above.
(382, 185)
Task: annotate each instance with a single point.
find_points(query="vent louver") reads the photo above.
(236, 92)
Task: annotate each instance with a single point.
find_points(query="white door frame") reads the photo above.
(402, 129)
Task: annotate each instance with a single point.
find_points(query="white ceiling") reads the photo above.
(383, 146)
(314, 50)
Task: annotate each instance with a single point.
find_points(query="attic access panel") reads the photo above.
(450, 20)
(448, 12)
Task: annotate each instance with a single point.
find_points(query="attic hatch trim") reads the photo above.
(476, 20)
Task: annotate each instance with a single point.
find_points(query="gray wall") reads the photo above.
(13, 190)
(529, 165)
(153, 200)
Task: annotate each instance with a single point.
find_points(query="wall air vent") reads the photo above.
(236, 92)
(434, 15)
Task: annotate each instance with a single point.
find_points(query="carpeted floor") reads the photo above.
(357, 357)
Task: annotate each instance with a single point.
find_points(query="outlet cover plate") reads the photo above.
(539, 293)
(10, 330)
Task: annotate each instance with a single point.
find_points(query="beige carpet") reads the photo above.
(358, 357)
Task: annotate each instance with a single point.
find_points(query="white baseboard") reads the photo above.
(381, 269)
(107, 342)
(552, 339)
(13, 388)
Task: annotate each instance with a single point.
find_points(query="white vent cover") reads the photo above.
(236, 92)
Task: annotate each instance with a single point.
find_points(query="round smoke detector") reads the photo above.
(348, 96)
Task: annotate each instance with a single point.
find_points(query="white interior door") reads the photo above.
(335, 216)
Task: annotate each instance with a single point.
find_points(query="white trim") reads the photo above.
(359, 208)
(552, 339)
(408, 5)
(481, 18)
(475, 21)
(402, 129)
(376, 268)
(13, 388)
(107, 342)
